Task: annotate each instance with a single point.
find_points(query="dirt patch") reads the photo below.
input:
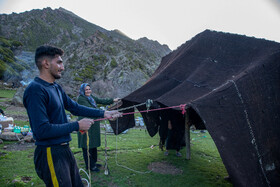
(17, 112)
(164, 168)
(26, 179)
(19, 146)
(16, 108)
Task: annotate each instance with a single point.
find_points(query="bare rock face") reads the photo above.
(17, 99)
(28, 139)
(11, 136)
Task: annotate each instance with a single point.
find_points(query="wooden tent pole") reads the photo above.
(187, 135)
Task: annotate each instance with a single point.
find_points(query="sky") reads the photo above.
(171, 22)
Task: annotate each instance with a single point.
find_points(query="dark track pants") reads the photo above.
(56, 166)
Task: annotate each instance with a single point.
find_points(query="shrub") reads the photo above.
(4, 42)
(2, 68)
(87, 72)
(113, 63)
(76, 78)
(16, 43)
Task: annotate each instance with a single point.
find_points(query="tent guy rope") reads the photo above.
(88, 174)
(148, 104)
(182, 107)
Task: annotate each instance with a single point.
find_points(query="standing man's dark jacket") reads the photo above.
(45, 104)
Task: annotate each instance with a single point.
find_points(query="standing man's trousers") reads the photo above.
(56, 166)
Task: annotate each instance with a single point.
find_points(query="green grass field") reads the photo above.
(135, 150)
(7, 93)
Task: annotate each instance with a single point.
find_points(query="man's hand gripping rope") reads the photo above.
(85, 124)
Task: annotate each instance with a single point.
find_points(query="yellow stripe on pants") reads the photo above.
(51, 167)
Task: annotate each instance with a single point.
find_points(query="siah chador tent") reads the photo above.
(231, 87)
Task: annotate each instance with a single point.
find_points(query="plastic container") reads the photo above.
(17, 129)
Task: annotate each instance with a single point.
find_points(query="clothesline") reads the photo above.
(182, 107)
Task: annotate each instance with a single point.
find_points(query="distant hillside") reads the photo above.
(160, 50)
(110, 60)
(10, 66)
(58, 27)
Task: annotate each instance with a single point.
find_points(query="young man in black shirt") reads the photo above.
(45, 102)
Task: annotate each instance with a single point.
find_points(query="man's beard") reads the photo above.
(56, 76)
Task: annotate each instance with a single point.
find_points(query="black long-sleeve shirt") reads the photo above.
(45, 104)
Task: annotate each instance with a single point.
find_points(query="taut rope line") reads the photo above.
(88, 174)
(116, 158)
(148, 104)
(182, 106)
(88, 158)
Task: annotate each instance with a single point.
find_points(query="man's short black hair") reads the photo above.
(46, 51)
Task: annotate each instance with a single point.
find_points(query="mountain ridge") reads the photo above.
(93, 54)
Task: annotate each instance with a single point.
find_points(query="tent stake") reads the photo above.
(187, 136)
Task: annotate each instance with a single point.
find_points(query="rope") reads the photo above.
(106, 172)
(88, 175)
(134, 106)
(88, 158)
(116, 158)
(84, 178)
(182, 106)
(148, 104)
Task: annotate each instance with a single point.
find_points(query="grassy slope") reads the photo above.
(133, 150)
(7, 93)
(204, 169)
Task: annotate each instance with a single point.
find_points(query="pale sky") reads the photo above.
(171, 22)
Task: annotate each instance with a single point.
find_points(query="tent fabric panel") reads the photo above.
(232, 82)
(250, 125)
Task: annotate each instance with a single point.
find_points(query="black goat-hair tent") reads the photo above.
(231, 85)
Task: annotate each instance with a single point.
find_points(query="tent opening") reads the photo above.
(195, 119)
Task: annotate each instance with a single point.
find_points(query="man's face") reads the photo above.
(56, 67)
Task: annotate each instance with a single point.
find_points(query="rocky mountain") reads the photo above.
(10, 68)
(160, 50)
(34, 28)
(110, 61)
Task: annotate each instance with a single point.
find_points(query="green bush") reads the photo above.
(17, 66)
(113, 63)
(111, 50)
(8, 62)
(4, 51)
(95, 63)
(87, 72)
(7, 59)
(106, 69)
(9, 43)
(11, 71)
(4, 42)
(2, 68)
(76, 78)
(16, 43)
